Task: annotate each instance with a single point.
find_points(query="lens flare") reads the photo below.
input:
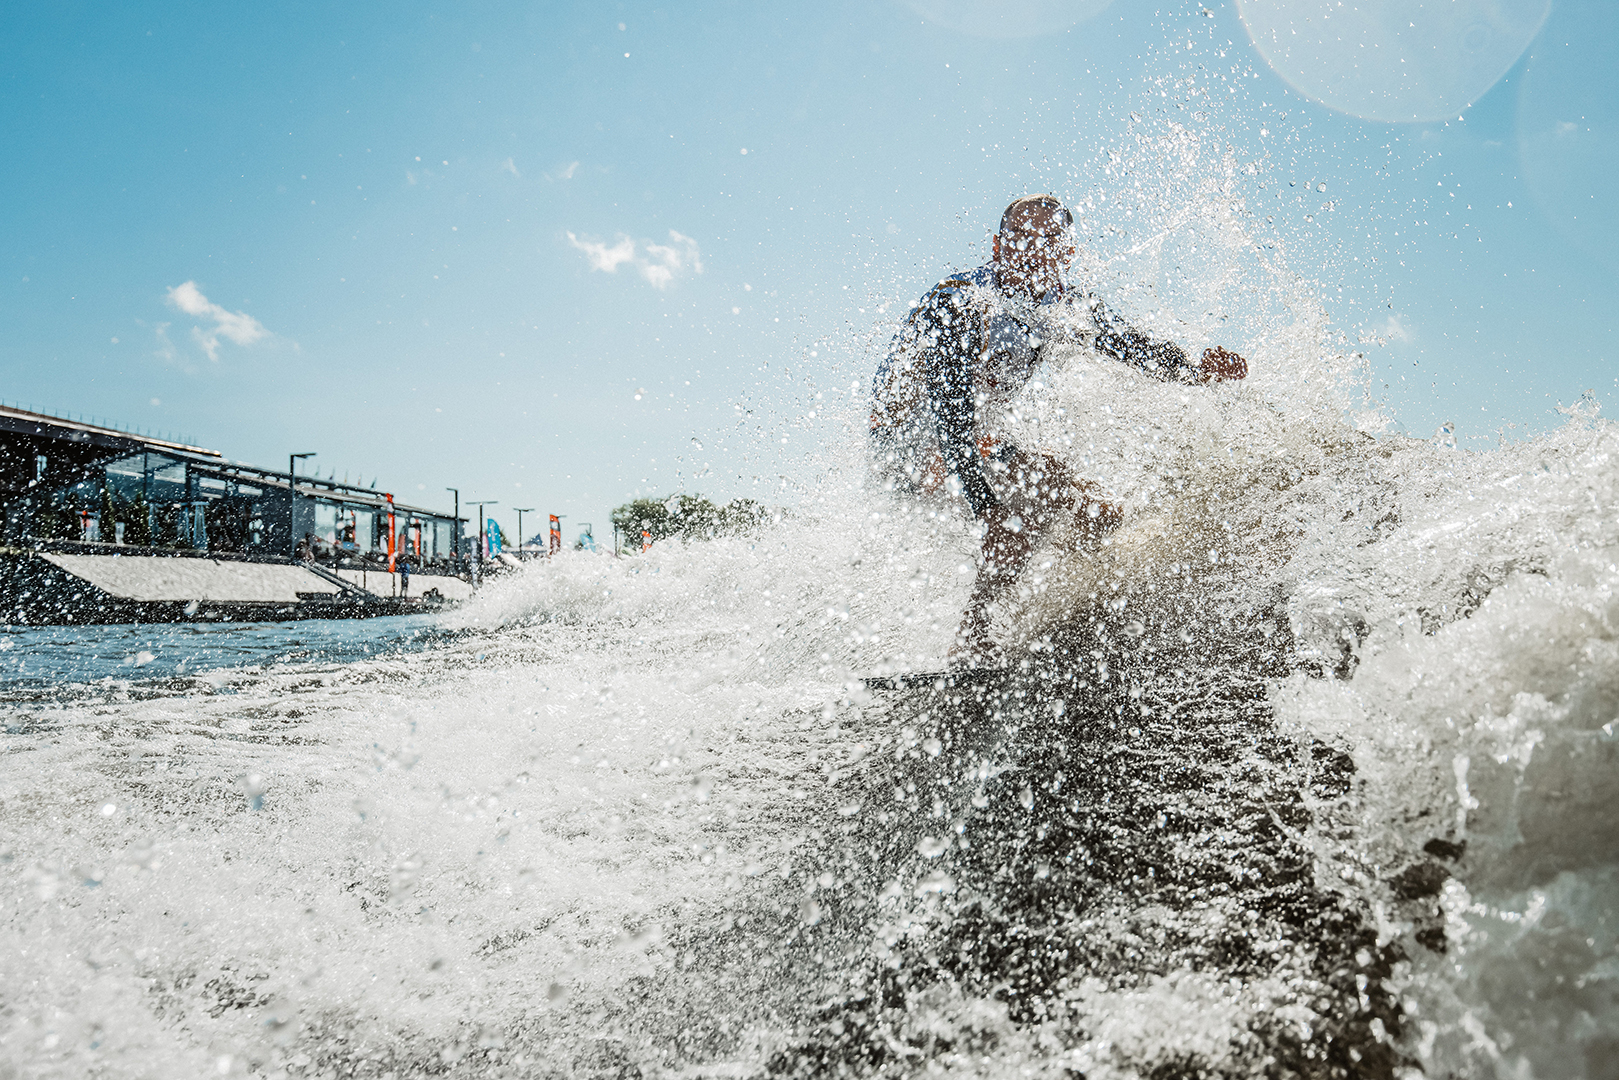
(1568, 129)
(1012, 19)
(1397, 62)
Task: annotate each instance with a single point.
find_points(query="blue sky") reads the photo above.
(519, 248)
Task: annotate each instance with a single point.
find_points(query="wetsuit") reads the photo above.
(969, 345)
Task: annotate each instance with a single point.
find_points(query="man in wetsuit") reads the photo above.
(964, 352)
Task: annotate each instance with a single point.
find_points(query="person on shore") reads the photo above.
(963, 352)
(404, 578)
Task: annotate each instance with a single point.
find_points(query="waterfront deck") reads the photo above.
(46, 587)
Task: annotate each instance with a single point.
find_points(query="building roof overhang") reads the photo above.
(23, 422)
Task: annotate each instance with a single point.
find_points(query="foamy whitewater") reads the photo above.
(1310, 770)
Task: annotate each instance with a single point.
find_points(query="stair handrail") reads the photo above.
(342, 583)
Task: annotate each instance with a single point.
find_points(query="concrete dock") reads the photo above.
(57, 587)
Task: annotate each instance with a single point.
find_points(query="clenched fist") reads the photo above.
(1219, 365)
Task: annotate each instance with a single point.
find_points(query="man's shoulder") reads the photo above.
(965, 280)
(952, 292)
(979, 277)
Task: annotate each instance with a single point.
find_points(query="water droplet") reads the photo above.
(932, 847)
(1026, 797)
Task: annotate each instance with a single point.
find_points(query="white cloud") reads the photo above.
(664, 262)
(660, 264)
(165, 348)
(510, 166)
(563, 172)
(603, 257)
(1395, 329)
(237, 326)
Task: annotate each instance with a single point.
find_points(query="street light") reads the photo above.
(455, 559)
(292, 497)
(481, 503)
(521, 510)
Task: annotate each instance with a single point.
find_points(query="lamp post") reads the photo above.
(455, 542)
(292, 498)
(521, 510)
(481, 504)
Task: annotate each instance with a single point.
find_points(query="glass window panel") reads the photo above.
(326, 521)
(365, 530)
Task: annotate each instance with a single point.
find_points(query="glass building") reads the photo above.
(68, 483)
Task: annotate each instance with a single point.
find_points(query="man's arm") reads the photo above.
(1165, 359)
(1121, 341)
(944, 342)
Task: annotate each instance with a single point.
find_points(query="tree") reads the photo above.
(690, 516)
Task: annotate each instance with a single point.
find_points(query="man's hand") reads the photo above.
(1220, 365)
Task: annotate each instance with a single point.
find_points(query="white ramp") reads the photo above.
(155, 577)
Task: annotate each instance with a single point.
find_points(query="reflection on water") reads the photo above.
(42, 661)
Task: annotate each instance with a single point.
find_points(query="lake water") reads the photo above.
(1311, 768)
(41, 663)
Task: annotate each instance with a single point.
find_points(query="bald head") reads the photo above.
(1035, 243)
(1035, 213)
